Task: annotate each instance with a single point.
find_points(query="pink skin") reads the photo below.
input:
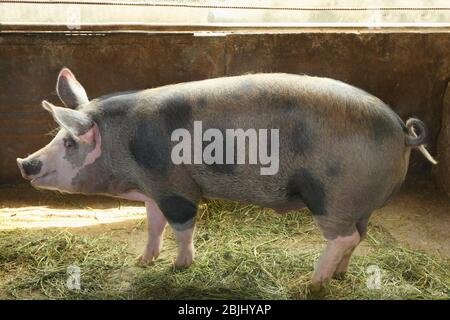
(156, 223)
(56, 172)
(19, 164)
(186, 250)
(92, 135)
(334, 259)
(342, 267)
(134, 195)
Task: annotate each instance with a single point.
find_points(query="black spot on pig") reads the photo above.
(178, 210)
(78, 153)
(334, 169)
(176, 113)
(32, 166)
(301, 137)
(150, 147)
(223, 167)
(305, 186)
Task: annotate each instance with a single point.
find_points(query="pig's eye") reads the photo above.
(68, 143)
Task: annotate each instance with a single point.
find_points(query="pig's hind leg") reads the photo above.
(156, 223)
(338, 250)
(342, 267)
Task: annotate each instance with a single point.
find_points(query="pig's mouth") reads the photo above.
(40, 178)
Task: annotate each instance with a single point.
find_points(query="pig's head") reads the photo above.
(76, 145)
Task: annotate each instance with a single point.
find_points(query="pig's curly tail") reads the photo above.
(414, 139)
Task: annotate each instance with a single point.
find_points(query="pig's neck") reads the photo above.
(99, 178)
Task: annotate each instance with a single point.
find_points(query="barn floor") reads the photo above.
(242, 252)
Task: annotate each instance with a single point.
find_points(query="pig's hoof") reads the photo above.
(141, 261)
(184, 260)
(151, 253)
(315, 287)
(147, 258)
(182, 263)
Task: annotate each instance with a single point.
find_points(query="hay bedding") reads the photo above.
(243, 252)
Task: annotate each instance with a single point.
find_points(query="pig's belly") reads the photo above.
(266, 191)
(282, 208)
(271, 202)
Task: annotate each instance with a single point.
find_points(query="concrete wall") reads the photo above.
(409, 71)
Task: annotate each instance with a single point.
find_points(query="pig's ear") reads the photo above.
(76, 122)
(69, 90)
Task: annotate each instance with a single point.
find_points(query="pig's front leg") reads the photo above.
(180, 211)
(186, 250)
(156, 223)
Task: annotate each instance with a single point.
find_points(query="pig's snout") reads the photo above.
(29, 168)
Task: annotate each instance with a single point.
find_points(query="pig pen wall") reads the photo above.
(407, 70)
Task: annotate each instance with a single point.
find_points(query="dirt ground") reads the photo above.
(417, 216)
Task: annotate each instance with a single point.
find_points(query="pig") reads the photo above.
(342, 153)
